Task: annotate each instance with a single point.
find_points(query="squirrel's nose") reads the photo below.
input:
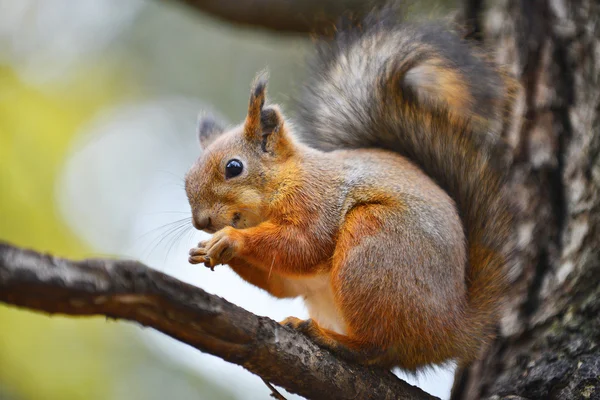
(201, 222)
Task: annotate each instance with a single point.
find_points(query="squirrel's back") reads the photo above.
(423, 92)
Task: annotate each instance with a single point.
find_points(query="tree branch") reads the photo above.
(281, 15)
(130, 290)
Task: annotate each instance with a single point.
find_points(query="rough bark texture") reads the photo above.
(549, 343)
(130, 290)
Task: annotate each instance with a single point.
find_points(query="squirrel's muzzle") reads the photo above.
(201, 222)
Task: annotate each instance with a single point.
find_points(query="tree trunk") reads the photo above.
(549, 337)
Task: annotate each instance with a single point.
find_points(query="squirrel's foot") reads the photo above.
(340, 344)
(323, 337)
(310, 329)
(219, 249)
(296, 323)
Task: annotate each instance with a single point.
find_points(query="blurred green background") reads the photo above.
(98, 101)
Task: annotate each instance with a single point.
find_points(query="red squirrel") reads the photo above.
(380, 204)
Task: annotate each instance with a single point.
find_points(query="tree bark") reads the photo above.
(130, 290)
(549, 337)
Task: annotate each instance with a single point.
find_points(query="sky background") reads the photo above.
(98, 105)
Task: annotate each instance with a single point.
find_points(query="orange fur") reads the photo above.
(266, 280)
(400, 262)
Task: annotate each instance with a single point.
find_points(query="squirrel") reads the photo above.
(380, 204)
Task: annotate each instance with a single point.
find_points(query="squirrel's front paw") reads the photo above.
(219, 249)
(198, 255)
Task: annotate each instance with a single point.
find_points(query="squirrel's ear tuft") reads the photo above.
(264, 125)
(208, 130)
(252, 126)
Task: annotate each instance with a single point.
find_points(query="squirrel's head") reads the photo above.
(234, 178)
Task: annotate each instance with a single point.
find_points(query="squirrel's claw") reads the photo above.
(198, 256)
(218, 250)
(208, 263)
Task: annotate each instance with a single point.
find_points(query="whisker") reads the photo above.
(172, 232)
(160, 232)
(271, 269)
(165, 232)
(167, 225)
(191, 235)
(177, 238)
(168, 212)
(166, 185)
(179, 178)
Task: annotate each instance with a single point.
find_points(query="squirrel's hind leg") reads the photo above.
(339, 344)
(396, 287)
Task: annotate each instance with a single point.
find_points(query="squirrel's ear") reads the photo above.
(208, 130)
(263, 125)
(271, 122)
(258, 93)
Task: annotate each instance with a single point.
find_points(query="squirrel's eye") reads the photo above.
(233, 168)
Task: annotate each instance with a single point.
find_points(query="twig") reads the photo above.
(274, 392)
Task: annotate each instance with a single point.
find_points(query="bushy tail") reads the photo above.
(422, 92)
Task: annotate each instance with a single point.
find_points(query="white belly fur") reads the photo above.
(319, 301)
